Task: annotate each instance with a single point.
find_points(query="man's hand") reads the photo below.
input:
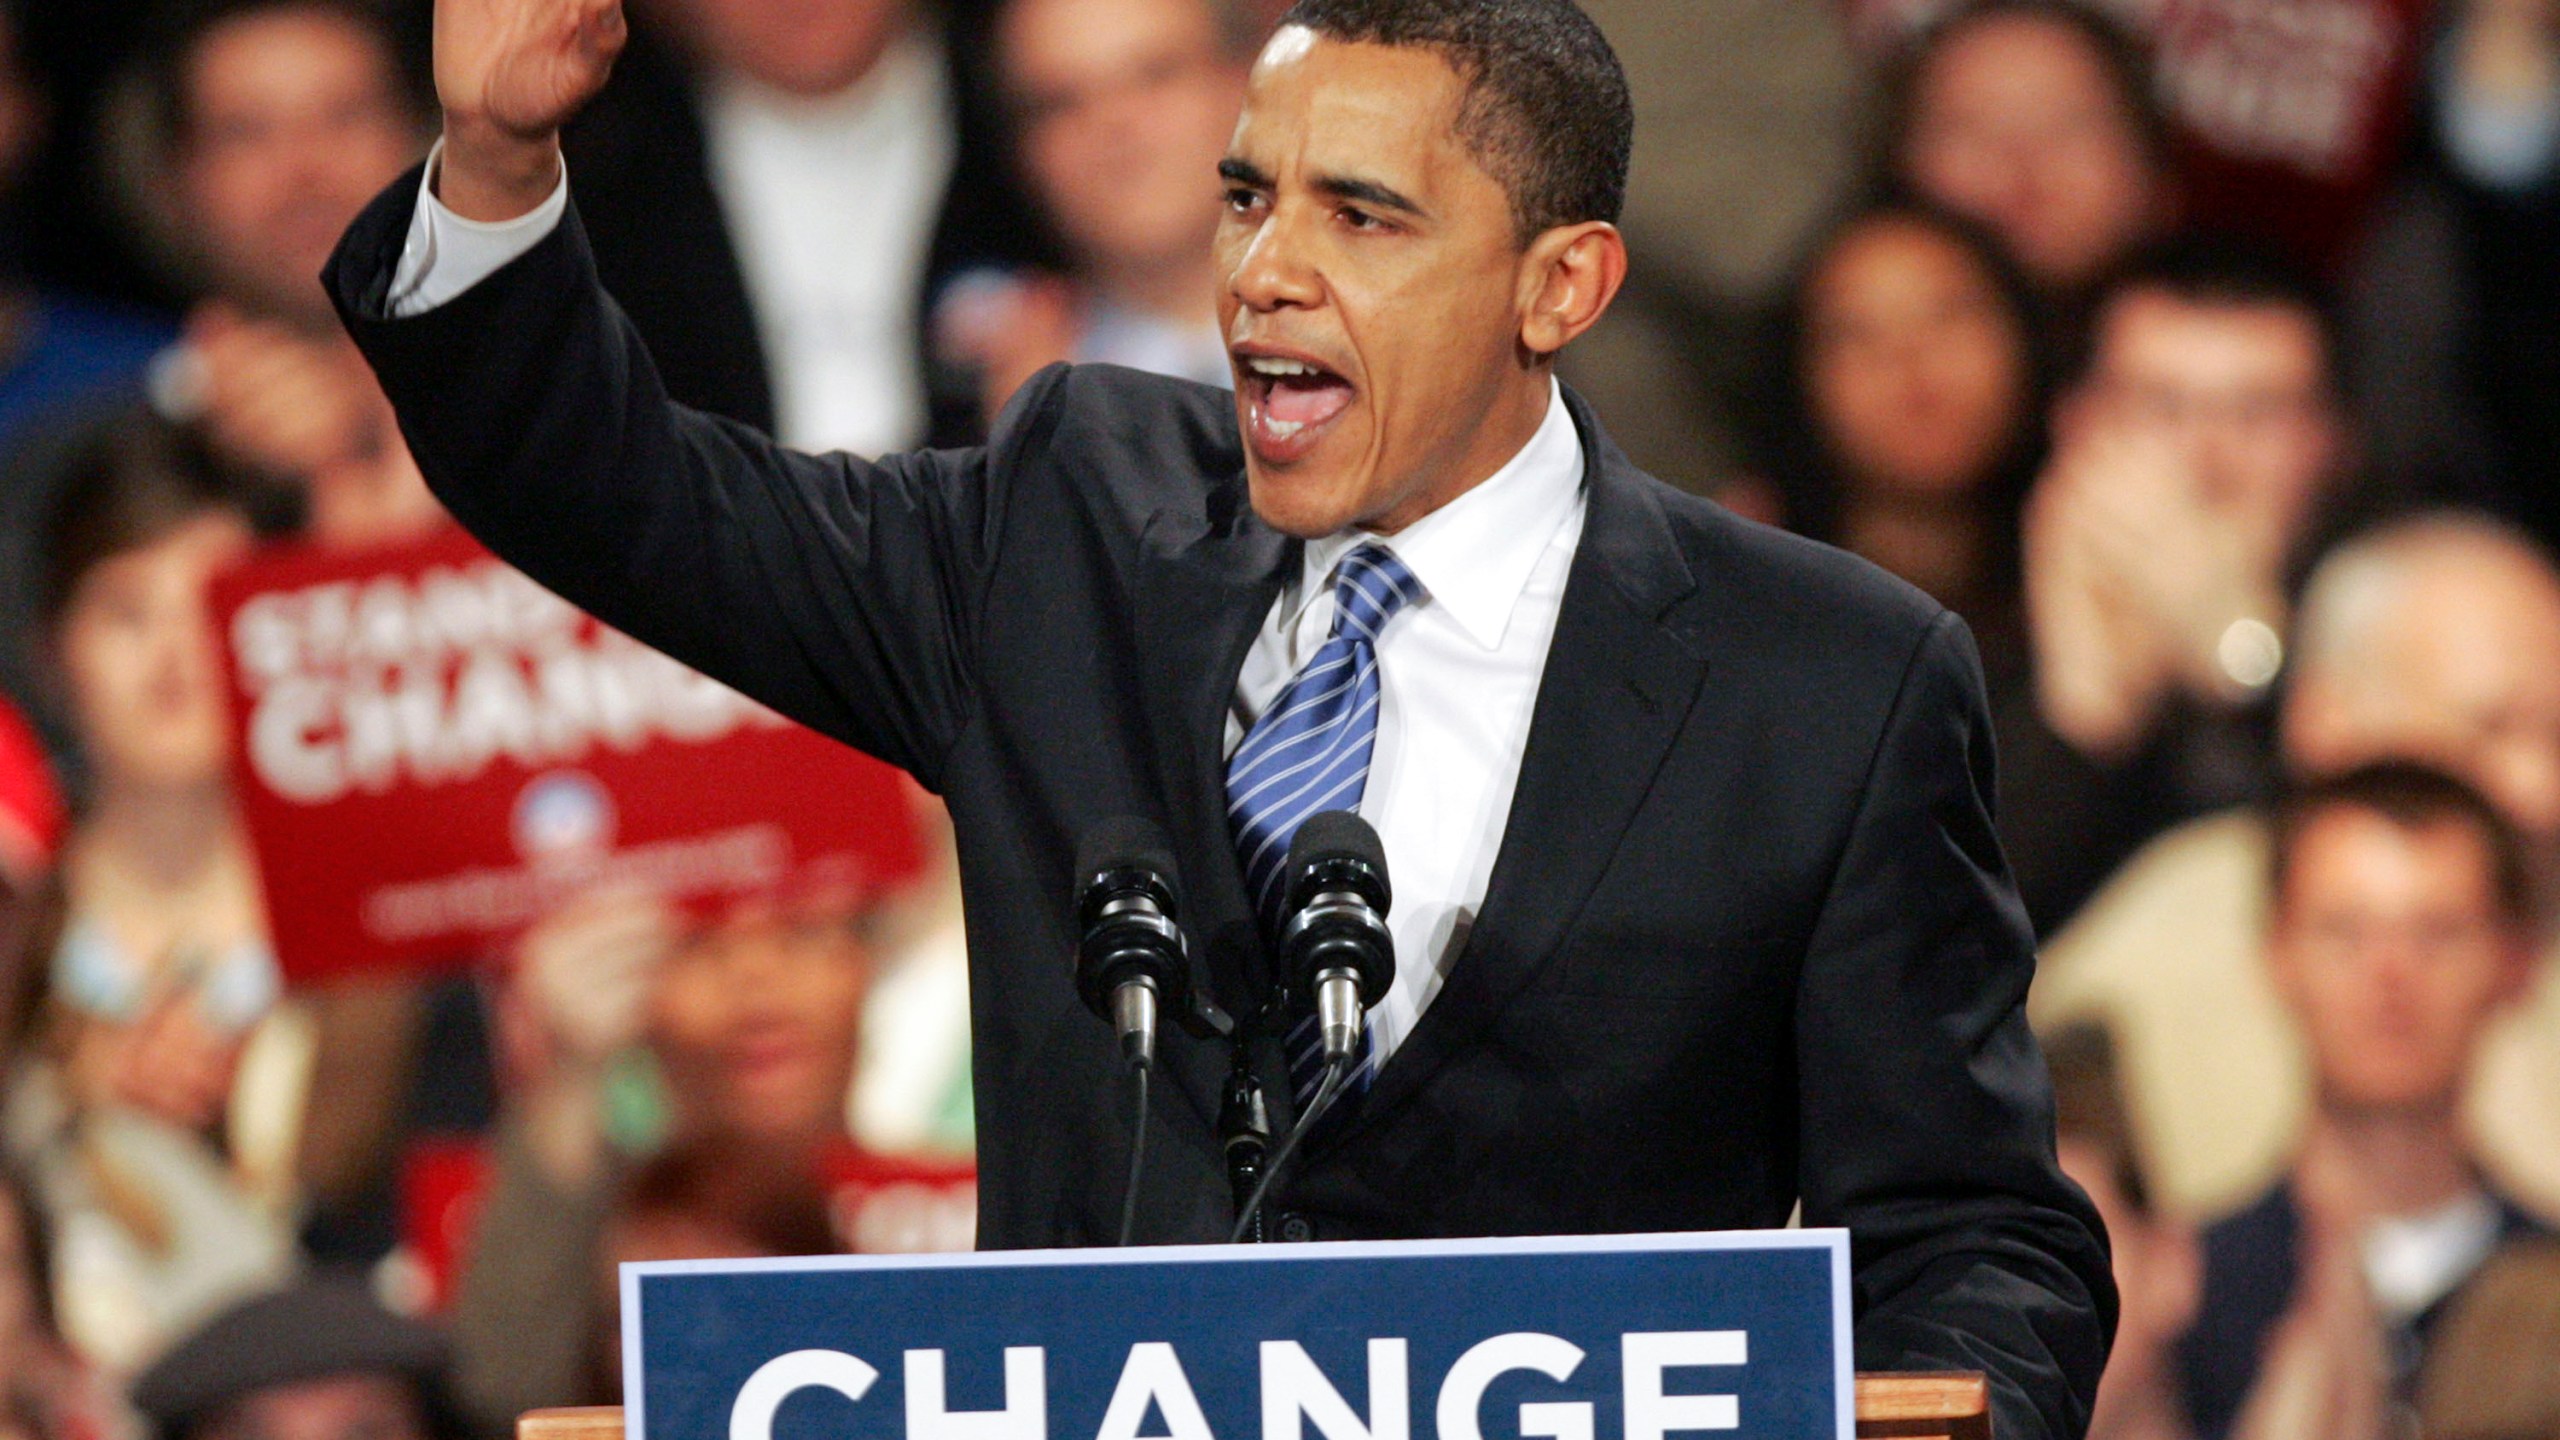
(509, 74)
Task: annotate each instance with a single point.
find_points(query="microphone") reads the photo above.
(1335, 947)
(1336, 950)
(1131, 963)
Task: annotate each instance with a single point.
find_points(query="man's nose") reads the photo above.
(1275, 272)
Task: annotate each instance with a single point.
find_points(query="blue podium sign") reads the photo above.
(1648, 1337)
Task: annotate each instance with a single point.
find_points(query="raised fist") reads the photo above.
(523, 67)
(509, 74)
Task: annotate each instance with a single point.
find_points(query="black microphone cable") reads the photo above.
(1328, 1090)
(1137, 1155)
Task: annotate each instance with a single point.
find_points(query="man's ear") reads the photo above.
(1567, 279)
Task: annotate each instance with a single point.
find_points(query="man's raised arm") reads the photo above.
(842, 592)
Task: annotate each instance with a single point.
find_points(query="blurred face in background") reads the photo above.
(2391, 949)
(808, 48)
(1125, 108)
(756, 1023)
(1914, 363)
(2459, 667)
(2017, 122)
(139, 661)
(293, 119)
(2238, 395)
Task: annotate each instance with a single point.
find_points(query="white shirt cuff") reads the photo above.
(446, 254)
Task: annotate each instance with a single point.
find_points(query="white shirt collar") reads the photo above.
(2412, 1261)
(1475, 554)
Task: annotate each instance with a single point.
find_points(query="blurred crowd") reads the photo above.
(2204, 355)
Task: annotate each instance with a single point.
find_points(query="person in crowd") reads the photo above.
(676, 1090)
(775, 191)
(2493, 1367)
(1906, 413)
(156, 1110)
(2158, 1267)
(2433, 636)
(261, 127)
(2495, 104)
(316, 1360)
(2036, 118)
(2196, 435)
(1120, 108)
(2403, 922)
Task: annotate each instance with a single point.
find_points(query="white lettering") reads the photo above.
(1153, 1374)
(1294, 1390)
(1650, 1413)
(1025, 1415)
(1462, 1390)
(751, 1415)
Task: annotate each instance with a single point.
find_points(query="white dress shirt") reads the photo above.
(1458, 675)
(1458, 670)
(831, 205)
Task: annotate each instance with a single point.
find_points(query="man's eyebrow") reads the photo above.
(1340, 187)
(1369, 192)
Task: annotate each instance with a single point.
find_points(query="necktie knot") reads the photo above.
(1369, 586)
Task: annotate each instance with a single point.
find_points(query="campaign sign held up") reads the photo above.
(1658, 1337)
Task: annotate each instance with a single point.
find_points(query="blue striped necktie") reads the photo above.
(1310, 753)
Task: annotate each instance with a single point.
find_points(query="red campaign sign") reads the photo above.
(434, 752)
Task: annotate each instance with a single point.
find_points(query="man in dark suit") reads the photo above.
(1699, 906)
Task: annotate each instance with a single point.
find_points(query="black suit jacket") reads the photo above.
(1749, 937)
(641, 164)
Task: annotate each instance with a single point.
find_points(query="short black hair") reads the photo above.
(2216, 270)
(1547, 110)
(2414, 797)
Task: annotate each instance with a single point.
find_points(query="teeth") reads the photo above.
(1272, 368)
(1282, 429)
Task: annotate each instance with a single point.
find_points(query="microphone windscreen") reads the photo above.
(1125, 842)
(1346, 849)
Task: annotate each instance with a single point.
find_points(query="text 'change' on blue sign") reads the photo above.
(1657, 1337)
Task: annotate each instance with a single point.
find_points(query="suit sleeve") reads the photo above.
(1927, 1117)
(841, 592)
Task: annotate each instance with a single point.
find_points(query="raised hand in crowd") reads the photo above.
(2138, 568)
(2325, 1375)
(280, 398)
(578, 998)
(176, 1062)
(510, 73)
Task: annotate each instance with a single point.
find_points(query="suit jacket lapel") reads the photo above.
(1205, 583)
(1618, 685)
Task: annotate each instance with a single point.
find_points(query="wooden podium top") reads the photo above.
(1890, 1407)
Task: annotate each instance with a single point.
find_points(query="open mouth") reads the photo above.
(1289, 404)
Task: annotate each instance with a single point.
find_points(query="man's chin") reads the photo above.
(1301, 501)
